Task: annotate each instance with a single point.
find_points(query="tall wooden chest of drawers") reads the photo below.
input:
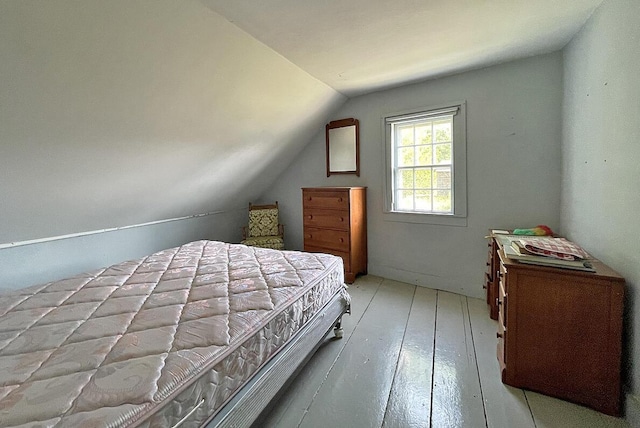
(335, 222)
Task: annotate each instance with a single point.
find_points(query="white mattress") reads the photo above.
(143, 342)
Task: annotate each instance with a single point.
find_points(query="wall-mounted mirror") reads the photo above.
(343, 147)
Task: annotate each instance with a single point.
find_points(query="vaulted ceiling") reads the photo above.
(359, 46)
(121, 112)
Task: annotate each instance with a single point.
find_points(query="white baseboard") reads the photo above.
(425, 280)
(632, 409)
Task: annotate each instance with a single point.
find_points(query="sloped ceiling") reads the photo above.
(359, 46)
(121, 112)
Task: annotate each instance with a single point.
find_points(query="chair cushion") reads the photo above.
(275, 242)
(263, 222)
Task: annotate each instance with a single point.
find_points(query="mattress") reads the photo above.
(144, 342)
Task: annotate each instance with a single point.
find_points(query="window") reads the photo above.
(426, 163)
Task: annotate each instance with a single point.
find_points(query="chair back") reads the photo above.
(263, 220)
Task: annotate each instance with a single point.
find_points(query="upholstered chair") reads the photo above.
(264, 229)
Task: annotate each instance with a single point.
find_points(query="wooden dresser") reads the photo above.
(560, 330)
(335, 222)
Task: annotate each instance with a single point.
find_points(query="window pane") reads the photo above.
(405, 179)
(423, 178)
(405, 156)
(421, 156)
(424, 155)
(405, 135)
(443, 153)
(442, 200)
(442, 128)
(442, 178)
(404, 200)
(423, 134)
(423, 200)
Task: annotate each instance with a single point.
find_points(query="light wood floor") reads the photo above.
(416, 357)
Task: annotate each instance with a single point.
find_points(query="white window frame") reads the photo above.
(459, 168)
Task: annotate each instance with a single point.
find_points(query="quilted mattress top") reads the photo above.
(111, 344)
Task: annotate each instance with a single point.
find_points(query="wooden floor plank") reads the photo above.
(549, 412)
(504, 406)
(457, 400)
(374, 375)
(356, 391)
(410, 399)
(292, 405)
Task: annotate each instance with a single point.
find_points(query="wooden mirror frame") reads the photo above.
(346, 143)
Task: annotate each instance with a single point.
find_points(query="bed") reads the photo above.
(204, 334)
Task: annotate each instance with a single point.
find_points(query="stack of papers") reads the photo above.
(547, 251)
(557, 248)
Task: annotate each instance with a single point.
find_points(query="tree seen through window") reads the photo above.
(424, 165)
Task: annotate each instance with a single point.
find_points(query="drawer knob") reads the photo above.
(499, 335)
(341, 239)
(488, 263)
(310, 217)
(484, 287)
(339, 199)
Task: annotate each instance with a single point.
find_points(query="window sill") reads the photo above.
(442, 220)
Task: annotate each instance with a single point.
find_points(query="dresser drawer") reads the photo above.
(330, 199)
(344, 255)
(501, 356)
(502, 305)
(326, 238)
(322, 218)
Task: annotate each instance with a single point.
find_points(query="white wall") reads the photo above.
(513, 164)
(122, 112)
(601, 151)
(34, 263)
